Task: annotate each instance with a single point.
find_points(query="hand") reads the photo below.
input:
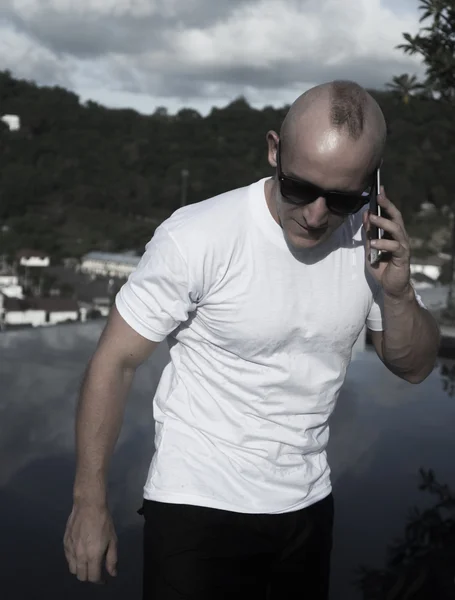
(89, 538)
(394, 274)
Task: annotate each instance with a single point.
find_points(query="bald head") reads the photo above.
(332, 139)
(333, 112)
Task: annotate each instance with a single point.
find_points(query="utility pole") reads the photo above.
(452, 266)
(185, 176)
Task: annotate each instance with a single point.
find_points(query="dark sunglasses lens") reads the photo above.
(298, 193)
(301, 193)
(342, 204)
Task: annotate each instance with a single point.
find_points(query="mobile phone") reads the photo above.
(375, 209)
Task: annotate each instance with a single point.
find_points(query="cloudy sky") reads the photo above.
(200, 53)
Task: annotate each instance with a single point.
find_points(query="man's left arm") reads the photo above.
(409, 344)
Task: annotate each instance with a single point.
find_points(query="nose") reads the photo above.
(316, 214)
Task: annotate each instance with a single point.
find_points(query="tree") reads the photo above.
(435, 43)
(81, 177)
(404, 86)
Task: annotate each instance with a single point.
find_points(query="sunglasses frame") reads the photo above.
(363, 198)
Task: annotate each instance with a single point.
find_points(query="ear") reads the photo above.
(273, 140)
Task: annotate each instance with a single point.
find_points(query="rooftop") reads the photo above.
(27, 253)
(126, 259)
(46, 304)
(86, 288)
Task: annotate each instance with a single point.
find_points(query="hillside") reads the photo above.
(80, 176)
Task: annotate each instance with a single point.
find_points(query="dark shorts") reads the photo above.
(197, 553)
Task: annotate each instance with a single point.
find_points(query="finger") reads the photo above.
(71, 560)
(69, 554)
(81, 571)
(111, 559)
(366, 225)
(72, 565)
(391, 227)
(389, 206)
(391, 246)
(94, 570)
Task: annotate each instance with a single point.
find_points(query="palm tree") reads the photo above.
(404, 85)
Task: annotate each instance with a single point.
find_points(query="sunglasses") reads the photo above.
(301, 193)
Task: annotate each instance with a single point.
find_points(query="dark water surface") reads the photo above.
(383, 431)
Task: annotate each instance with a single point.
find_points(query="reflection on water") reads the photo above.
(420, 565)
(383, 431)
(448, 378)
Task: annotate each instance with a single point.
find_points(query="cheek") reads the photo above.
(281, 211)
(285, 211)
(335, 221)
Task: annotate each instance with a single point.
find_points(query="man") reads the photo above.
(261, 293)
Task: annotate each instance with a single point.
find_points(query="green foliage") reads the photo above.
(435, 43)
(404, 86)
(79, 177)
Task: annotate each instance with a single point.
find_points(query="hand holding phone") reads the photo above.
(375, 209)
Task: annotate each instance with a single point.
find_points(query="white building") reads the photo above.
(13, 122)
(9, 285)
(102, 305)
(12, 291)
(434, 298)
(431, 266)
(37, 312)
(109, 265)
(33, 259)
(6, 280)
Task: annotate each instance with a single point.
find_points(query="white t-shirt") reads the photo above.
(259, 340)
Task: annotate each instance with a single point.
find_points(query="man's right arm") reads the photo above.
(99, 419)
(159, 295)
(102, 403)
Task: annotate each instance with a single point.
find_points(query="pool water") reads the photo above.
(382, 432)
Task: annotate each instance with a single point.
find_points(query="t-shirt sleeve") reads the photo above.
(158, 295)
(375, 319)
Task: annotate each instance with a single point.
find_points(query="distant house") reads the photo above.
(426, 209)
(12, 121)
(37, 312)
(95, 293)
(109, 265)
(430, 266)
(102, 305)
(9, 285)
(421, 281)
(33, 258)
(8, 279)
(435, 298)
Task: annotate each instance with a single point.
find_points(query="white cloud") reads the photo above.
(29, 59)
(200, 52)
(137, 8)
(273, 31)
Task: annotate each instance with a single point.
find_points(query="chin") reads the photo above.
(301, 242)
